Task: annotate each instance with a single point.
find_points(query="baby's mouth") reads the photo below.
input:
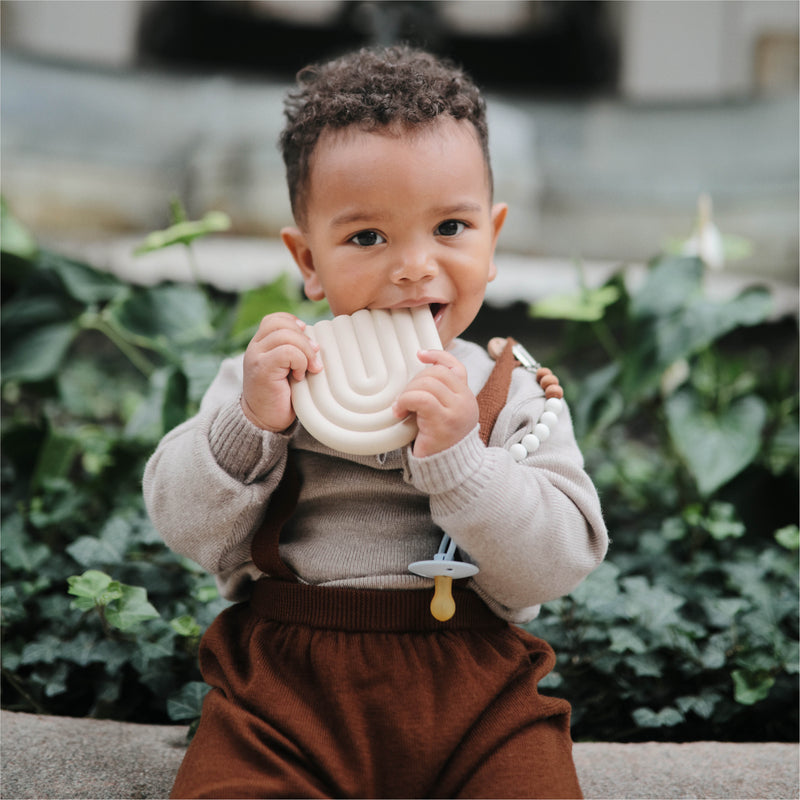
(437, 309)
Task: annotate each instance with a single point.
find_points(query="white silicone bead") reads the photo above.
(531, 443)
(549, 419)
(554, 404)
(542, 431)
(518, 451)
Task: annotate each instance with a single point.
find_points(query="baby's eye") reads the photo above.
(367, 238)
(450, 227)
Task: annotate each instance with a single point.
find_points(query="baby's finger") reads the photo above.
(283, 338)
(444, 359)
(277, 321)
(417, 401)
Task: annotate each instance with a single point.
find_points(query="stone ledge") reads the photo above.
(60, 757)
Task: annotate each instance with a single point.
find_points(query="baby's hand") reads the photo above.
(279, 349)
(445, 406)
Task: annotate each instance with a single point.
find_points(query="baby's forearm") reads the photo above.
(534, 529)
(206, 485)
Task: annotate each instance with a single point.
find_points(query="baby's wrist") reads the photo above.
(257, 421)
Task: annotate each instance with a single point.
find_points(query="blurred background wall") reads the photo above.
(608, 119)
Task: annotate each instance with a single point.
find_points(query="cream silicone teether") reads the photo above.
(368, 358)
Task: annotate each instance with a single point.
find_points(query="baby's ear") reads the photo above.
(499, 212)
(297, 244)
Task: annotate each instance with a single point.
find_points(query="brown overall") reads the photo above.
(336, 692)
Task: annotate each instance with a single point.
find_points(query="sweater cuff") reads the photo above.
(240, 447)
(450, 469)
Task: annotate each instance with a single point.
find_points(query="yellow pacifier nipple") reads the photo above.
(443, 606)
(443, 568)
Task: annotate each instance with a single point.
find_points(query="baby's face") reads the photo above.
(396, 221)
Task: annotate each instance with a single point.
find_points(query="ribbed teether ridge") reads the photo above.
(368, 358)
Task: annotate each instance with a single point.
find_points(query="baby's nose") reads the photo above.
(414, 264)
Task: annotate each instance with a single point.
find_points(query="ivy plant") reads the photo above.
(685, 408)
(98, 617)
(686, 411)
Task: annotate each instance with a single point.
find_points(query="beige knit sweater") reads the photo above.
(533, 527)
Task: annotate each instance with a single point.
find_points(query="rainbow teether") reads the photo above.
(368, 358)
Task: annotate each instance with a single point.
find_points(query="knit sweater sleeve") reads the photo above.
(533, 527)
(208, 482)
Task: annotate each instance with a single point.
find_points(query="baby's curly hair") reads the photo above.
(373, 88)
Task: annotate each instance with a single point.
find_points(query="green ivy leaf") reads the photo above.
(750, 688)
(625, 640)
(172, 316)
(722, 611)
(27, 311)
(254, 304)
(43, 651)
(15, 238)
(19, 551)
(669, 286)
(37, 354)
(57, 681)
(81, 281)
(187, 703)
(702, 322)
(666, 718)
(162, 408)
(587, 305)
(788, 537)
(282, 294)
(653, 607)
(703, 704)
(106, 549)
(130, 609)
(206, 594)
(185, 625)
(716, 447)
(93, 587)
(56, 457)
(645, 665)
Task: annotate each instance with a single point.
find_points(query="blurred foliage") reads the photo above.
(686, 411)
(98, 617)
(685, 408)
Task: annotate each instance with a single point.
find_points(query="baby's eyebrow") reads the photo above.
(361, 216)
(353, 217)
(456, 209)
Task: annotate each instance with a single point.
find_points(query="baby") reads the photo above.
(330, 677)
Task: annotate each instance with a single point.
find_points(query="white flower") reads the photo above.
(706, 240)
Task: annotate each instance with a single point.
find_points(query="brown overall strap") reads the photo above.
(492, 397)
(265, 548)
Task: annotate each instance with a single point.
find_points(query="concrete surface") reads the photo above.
(59, 757)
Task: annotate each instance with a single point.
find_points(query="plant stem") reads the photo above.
(194, 268)
(606, 339)
(18, 685)
(91, 321)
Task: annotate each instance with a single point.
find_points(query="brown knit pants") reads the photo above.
(327, 692)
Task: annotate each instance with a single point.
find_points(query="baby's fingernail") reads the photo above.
(300, 323)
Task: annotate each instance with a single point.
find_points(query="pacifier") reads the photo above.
(368, 358)
(443, 569)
